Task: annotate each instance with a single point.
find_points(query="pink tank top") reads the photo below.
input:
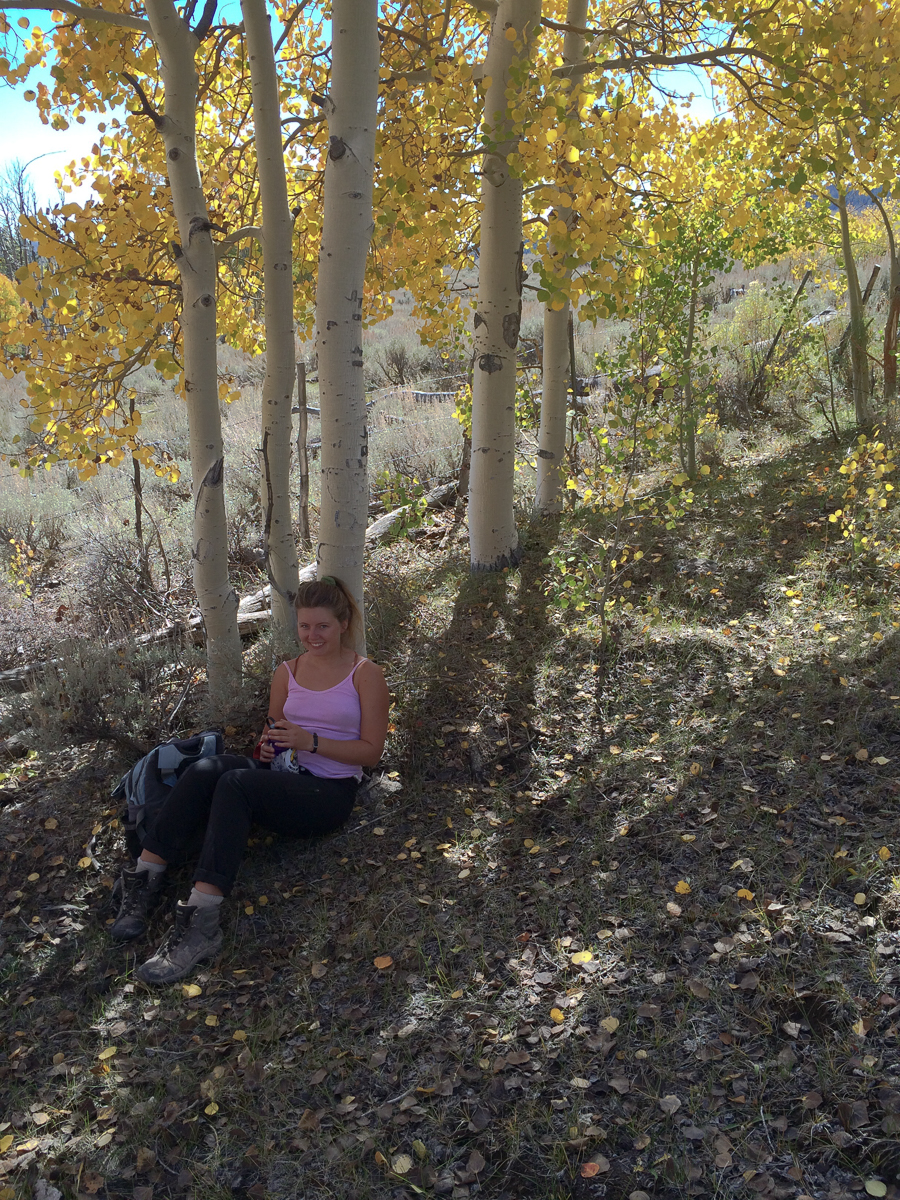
(334, 713)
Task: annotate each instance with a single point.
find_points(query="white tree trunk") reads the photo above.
(278, 384)
(346, 234)
(197, 265)
(555, 365)
(493, 540)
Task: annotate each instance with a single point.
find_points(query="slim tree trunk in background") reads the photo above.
(278, 384)
(303, 459)
(859, 359)
(197, 266)
(688, 431)
(893, 313)
(554, 384)
(493, 539)
(346, 234)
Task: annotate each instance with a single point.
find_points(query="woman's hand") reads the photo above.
(267, 751)
(290, 737)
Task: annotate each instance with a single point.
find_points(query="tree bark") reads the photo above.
(346, 234)
(177, 46)
(893, 313)
(278, 384)
(303, 459)
(552, 433)
(493, 539)
(688, 431)
(859, 359)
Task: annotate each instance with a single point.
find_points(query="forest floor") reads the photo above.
(603, 926)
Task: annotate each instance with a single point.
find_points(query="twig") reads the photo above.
(146, 107)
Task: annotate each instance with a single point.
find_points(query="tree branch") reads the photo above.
(246, 231)
(636, 61)
(146, 107)
(126, 20)
(203, 26)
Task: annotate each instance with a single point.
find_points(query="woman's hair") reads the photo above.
(332, 594)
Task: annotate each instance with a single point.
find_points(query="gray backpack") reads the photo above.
(146, 787)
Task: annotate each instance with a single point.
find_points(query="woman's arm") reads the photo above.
(364, 751)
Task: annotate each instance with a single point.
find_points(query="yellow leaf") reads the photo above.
(239, 1035)
(5, 1142)
(745, 894)
(401, 1164)
(457, 994)
(212, 1019)
(884, 854)
(859, 1028)
(51, 823)
(211, 1109)
(107, 1053)
(696, 769)
(862, 755)
(582, 956)
(189, 990)
(859, 898)
(383, 961)
(682, 888)
(557, 1015)
(610, 1024)
(85, 862)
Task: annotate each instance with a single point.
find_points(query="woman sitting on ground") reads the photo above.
(328, 716)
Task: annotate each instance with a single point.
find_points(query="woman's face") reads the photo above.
(319, 630)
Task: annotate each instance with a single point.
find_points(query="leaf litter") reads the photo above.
(736, 1037)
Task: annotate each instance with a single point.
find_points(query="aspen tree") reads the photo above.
(278, 300)
(557, 315)
(493, 539)
(176, 125)
(346, 234)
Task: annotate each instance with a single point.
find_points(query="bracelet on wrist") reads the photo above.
(315, 745)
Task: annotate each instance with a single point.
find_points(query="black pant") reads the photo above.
(225, 794)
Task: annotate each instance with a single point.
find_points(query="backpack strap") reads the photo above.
(210, 745)
(169, 758)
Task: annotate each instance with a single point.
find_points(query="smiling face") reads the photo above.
(320, 631)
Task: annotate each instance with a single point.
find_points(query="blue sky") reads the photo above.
(24, 138)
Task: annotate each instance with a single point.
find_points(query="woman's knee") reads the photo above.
(231, 795)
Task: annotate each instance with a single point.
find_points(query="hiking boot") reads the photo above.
(138, 893)
(194, 938)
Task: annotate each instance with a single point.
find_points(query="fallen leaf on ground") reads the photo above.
(383, 961)
(682, 888)
(598, 1165)
(477, 1162)
(670, 1104)
(402, 1164)
(610, 1024)
(557, 1015)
